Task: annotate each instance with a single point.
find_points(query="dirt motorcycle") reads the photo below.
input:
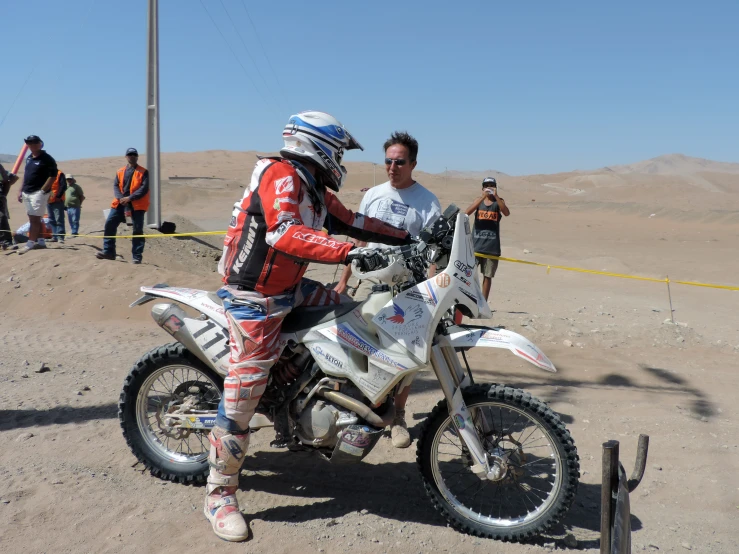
(494, 460)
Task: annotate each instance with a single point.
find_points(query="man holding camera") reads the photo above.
(486, 236)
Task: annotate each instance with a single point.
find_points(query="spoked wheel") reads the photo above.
(534, 463)
(168, 380)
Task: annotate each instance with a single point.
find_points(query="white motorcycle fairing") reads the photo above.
(461, 336)
(412, 317)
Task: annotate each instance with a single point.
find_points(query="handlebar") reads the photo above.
(414, 259)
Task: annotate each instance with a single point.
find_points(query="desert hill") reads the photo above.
(673, 186)
(676, 164)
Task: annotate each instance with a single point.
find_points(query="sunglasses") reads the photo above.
(398, 162)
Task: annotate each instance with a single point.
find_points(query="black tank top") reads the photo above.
(486, 236)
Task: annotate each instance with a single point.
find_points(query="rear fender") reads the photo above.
(203, 301)
(464, 336)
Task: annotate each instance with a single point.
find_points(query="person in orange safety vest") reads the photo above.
(131, 190)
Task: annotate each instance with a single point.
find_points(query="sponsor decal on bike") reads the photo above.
(400, 322)
(431, 292)
(219, 355)
(356, 437)
(378, 374)
(369, 385)
(461, 278)
(467, 294)
(347, 335)
(467, 270)
(350, 449)
(401, 318)
(420, 297)
(328, 357)
(195, 422)
(173, 324)
(442, 280)
(284, 185)
(494, 336)
(459, 421)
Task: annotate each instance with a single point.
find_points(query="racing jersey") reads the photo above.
(276, 229)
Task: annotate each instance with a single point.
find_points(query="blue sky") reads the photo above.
(521, 87)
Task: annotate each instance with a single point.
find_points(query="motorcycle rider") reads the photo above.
(275, 231)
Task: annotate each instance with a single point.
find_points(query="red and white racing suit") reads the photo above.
(275, 231)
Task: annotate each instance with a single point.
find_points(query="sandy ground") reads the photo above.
(68, 483)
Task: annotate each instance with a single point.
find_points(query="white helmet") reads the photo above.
(321, 139)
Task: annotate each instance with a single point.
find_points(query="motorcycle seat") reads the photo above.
(215, 298)
(304, 318)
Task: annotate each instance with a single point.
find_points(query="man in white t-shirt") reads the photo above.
(404, 203)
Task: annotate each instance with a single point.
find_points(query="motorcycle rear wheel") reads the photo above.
(541, 473)
(163, 377)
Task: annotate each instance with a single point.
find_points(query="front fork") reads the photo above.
(453, 379)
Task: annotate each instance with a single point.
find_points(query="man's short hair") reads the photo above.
(401, 137)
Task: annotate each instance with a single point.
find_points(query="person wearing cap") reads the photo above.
(486, 235)
(56, 207)
(73, 204)
(7, 180)
(131, 189)
(39, 175)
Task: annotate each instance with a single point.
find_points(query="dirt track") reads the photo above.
(69, 484)
(76, 480)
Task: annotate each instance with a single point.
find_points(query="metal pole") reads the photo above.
(154, 215)
(669, 295)
(641, 462)
(374, 181)
(609, 481)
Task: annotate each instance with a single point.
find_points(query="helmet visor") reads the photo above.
(352, 143)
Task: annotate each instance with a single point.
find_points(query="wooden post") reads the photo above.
(609, 482)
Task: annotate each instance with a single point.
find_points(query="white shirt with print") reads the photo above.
(410, 208)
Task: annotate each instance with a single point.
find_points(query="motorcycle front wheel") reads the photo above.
(165, 380)
(536, 457)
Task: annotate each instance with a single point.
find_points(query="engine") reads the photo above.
(321, 422)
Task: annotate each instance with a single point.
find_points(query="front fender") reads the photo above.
(468, 336)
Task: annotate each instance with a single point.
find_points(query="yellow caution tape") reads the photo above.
(514, 260)
(608, 273)
(157, 236)
(709, 285)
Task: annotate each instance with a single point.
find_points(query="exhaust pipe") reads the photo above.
(171, 318)
(363, 411)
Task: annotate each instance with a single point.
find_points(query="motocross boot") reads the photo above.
(227, 452)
